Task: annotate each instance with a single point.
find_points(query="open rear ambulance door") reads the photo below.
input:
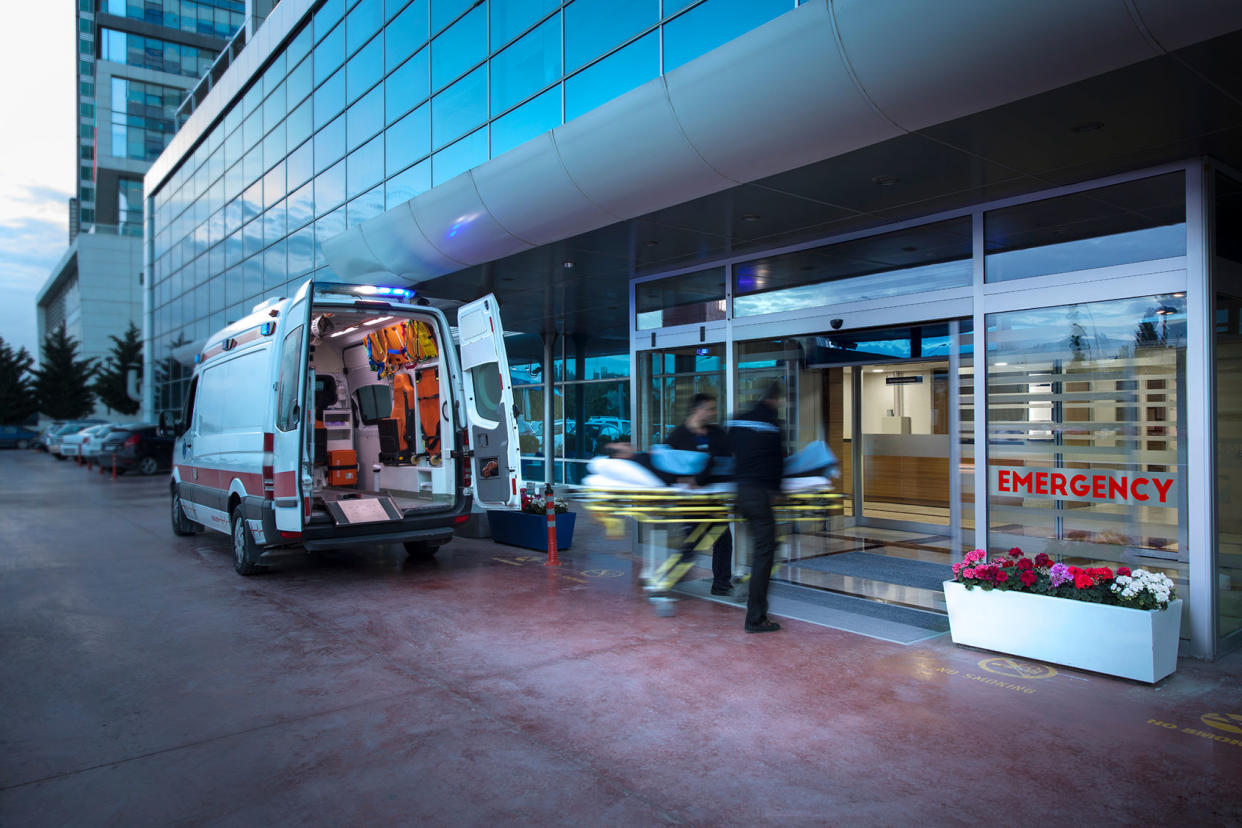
(495, 461)
(290, 470)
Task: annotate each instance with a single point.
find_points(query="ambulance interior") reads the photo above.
(381, 409)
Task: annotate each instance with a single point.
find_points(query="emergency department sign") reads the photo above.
(1085, 485)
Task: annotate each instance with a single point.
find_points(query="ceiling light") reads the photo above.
(1002, 363)
(1179, 294)
(750, 217)
(342, 333)
(568, 264)
(377, 319)
(885, 180)
(877, 370)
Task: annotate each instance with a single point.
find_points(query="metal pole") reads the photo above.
(549, 390)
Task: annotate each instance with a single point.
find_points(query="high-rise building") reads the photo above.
(136, 60)
(989, 247)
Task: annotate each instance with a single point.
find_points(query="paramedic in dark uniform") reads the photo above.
(758, 456)
(699, 432)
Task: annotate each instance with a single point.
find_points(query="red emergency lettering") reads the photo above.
(1163, 486)
(1079, 486)
(1116, 488)
(1002, 481)
(1041, 482)
(1098, 484)
(1134, 488)
(1021, 481)
(1058, 484)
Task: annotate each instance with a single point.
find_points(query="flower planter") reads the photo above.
(1119, 641)
(530, 531)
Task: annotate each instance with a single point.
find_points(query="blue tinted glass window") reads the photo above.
(512, 17)
(366, 167)
(274, 223)
(329, 99)
(301, 79)
(252, 129)
(274, 107)
(671, 7)
(406, 87)
(592, 27)
(407, 184)
(330, 188)
(252, 238)
(328, 16)
(274, 148)
(330, 225)
(274, 73)
(361, 23)
(368, 205)
(527, 121)
(274, 185)
(459, 48)
(233, 148)
(459, 108)
(713, 24)
(407, 140)
(252, 164)
(365, 118)
(329, 144)
(444, 12)
(456, 159)
(618, 73)
(299, 126)
(299, 47)
(275, 271)
(405, 35)
(365, 68)
(330, 54)
(527, 66)
(301, 249)
(301, 205)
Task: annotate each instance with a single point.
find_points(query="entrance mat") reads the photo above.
(887, 622)
(903, 571)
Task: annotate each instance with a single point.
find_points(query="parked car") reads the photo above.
(45, 435)
(92, 449)
(13, 436)
(140, 447)
(57, 438)
(71, 445)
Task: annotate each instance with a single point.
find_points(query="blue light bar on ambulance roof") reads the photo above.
(376, 290)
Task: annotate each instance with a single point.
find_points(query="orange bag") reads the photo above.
(342, 467)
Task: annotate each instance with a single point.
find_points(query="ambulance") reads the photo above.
(346, 415)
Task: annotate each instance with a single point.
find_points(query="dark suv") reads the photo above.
(139, 447)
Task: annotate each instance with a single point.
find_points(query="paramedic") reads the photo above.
(755, 438)
(699, 432)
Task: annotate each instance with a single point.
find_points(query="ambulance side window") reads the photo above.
(187, 411)
(290, 376)
(487, 387)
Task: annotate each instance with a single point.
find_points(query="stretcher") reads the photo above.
(661, 515)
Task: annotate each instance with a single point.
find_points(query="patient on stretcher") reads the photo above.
(662, 468)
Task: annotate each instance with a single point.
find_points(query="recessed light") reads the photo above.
(877, 370)
(652, 243)
(568, 264)
(1088, 126)
(750, 217)
(1002, 363)
(885, 180)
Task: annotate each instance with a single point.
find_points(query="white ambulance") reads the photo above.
(345, 416)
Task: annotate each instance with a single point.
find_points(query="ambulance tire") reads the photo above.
(421, 550)
(245, 550)
(181, 525)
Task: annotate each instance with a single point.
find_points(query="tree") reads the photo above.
(63, 382)
(112, 381)
(17, 395)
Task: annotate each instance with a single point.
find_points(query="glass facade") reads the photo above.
(153, 53)
(215, 18)
(143, 117)
(368, 104)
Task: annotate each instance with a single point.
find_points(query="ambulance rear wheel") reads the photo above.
(181, 525)
(245, 550)
(421, 550)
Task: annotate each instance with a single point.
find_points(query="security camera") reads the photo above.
(836, 323)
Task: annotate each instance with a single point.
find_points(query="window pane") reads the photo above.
(713, 24)
(329, 144)
(444, 11)
(301, 249)
(329, 99)
(406, 87)
(681, 300)
(405, 185)
(592, 27)
(527, 121)
(365, 69)
(330, 188)
(300, 165)
(1131, 222)
(618, 73)
(300, 81)
(329, 15)
(463, 45)
(330, 54)
(459, 108)
(512, 17)
(275, 268)
(366, 166)
(366, 117)
(527, 66)
(362, 22)
(408, 140)
(299, 124)
(405, 34)
(928, 257)
(301, 205)
(366, 206)
(466, 153)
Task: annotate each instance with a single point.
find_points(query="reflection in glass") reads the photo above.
(364, 69)
(667, 380)
(536, 116)
(459, 108)
(329, 54)
(463, 45)
(329, 143)
(681, 300)
(362, 22)
(615, 75)
(407, 140)
(406, 33)
(406, 88)
(527, 66)
(366, 166)
(407, 184)
(1134, 221)
(366, 206)
(330, 188)
(329, 99)
(592, 27)
(512, 17)
(713, 24)
(457, 158)
(365, 117)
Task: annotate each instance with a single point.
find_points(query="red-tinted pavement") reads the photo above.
(145, 683)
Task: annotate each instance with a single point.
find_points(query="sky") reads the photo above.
(36, 156)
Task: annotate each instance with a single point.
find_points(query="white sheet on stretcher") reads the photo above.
(614, 473)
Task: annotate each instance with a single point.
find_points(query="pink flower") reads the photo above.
(969, 572)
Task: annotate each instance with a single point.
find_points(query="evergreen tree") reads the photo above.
(17, 396)
(63, 382)
(110, 384)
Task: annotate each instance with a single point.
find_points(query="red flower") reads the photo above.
(1027, 577)
(1025, 564)
(1001, 576)
(1015, 552)
(1007, 563)
(1123, 570)
(1103, 573)
(1082, 580)
(1043, 560)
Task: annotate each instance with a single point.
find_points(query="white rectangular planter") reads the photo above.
(1135, 644)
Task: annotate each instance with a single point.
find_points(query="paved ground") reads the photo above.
(144, 683)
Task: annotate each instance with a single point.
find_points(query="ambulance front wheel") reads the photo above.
(245, 550)
(181, 525)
